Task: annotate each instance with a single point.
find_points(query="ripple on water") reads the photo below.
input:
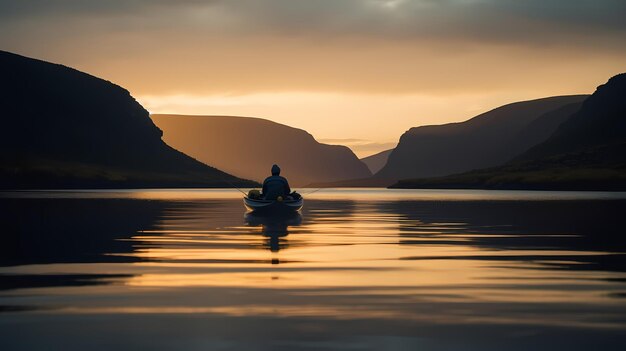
(434, 269)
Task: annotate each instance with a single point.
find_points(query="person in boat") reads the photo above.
(275, 186)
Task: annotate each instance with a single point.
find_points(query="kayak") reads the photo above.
(285, 206)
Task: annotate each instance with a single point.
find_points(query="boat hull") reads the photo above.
(273, 206)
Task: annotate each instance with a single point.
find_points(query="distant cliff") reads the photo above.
(64, 128)
(585, 152)
(249, 146)
(486, 140)
(377, 161)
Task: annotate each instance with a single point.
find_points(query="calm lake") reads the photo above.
(359, 269)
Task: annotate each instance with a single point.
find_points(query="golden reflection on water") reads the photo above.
(355, 247)
(379, 257)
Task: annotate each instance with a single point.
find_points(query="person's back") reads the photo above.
(275, 186)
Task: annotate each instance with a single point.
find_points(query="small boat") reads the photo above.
(273, 206)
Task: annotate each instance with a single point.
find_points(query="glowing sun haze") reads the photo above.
(354, 72)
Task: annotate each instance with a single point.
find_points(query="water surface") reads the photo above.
(358, 269)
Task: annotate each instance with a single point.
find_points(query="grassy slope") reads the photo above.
(583, 170)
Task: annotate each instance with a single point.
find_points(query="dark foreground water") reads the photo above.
(357, 270)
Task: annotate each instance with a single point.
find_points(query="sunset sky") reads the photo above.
(353, 72)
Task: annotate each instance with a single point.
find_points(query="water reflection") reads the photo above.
(44, 231)
(570, 235)
(356, 272)
(274, 227)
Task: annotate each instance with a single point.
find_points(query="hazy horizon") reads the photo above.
(348, 70)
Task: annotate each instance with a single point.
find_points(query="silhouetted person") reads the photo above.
(275, 186)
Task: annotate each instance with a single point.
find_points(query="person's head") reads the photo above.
(275, 170)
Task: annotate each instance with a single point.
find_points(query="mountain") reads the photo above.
(65, 128)
(586, 152)
(377, 161)
(487, 140)
(601, 121)
(249, 146)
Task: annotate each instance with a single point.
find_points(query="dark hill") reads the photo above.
(586, 152)
(249, 146)
(65, 128)
(486, 140)
(601, 121)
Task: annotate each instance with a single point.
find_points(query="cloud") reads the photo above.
(29, 8)
(528, 22)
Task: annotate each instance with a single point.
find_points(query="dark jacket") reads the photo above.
(275, 186)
